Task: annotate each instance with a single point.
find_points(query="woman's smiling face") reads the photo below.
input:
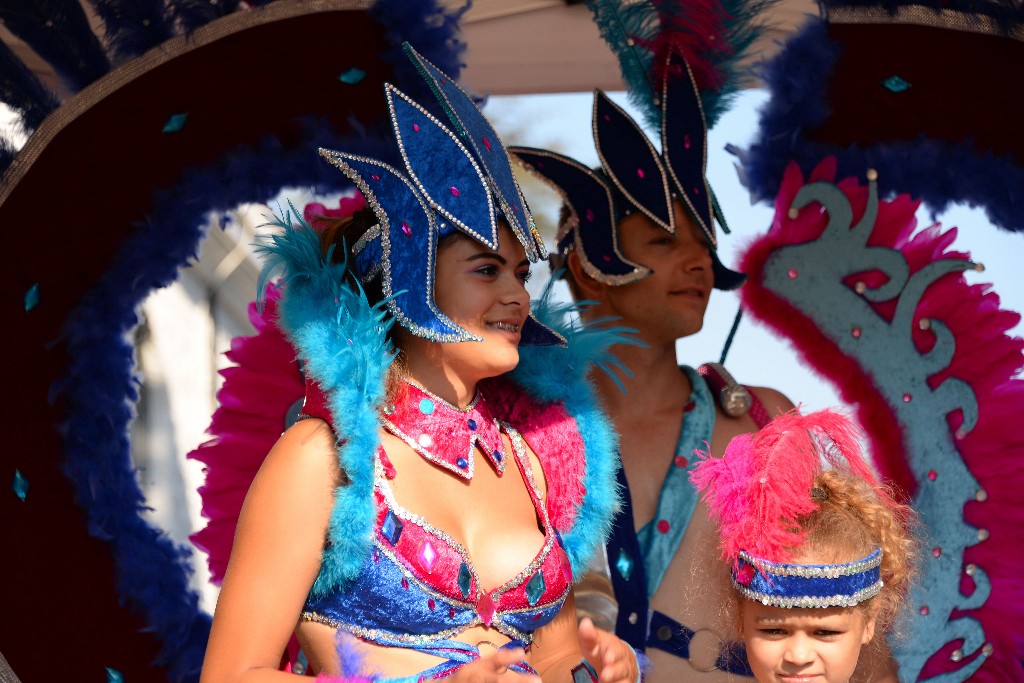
(793, 645)
(484, 292)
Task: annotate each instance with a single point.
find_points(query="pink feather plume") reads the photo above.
(758, 491)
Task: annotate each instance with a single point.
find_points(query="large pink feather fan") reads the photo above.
(758, 491)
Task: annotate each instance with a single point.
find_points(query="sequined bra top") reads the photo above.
(419, 585)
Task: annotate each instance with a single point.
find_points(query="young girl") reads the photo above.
(820, 553)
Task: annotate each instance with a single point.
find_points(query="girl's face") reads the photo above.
(804, 645)
(484, 292)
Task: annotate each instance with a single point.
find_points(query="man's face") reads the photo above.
(671, 302)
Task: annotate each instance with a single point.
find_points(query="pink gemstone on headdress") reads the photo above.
(416, 127)
(375, 176)
(590, 215)
(906, 398)
(745, 574)
(792, 273)
(680, 461)
(663, 526)
(696, 190)
(431, 604)
(454, 190)
(932, 475)
(855, 333)
(686, 141)
(485, 608)
(936, 551)
(640, 172)
(487, 144)
(406, 230)
(924, 611)
(428, 556)
(405, 583)
(606, 258)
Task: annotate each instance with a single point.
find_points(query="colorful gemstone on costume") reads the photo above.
(745, 574)
(175, 123)
(686, 141)
(431, 604)
(937, 551)
(932, 475)
(681, 462)
(406, 230)
(32, 297)
(405, 583)
(590, 215)
(454, 190)
(663, 526)
(391, 528)
(485, 608)
(624, 564)
(375, 176)
(535, 588)
(907, 398)
(428, 556)
(416, 127)
(924, 611)
(426, 406)
(471, 423)
(640, 173)
(497, 456)
(425, 440)
(465, 580)
(487, 143)
(351, 76)
(20, 485)
(895, 84)
(461, 463)
(793, 273)
(114, 676)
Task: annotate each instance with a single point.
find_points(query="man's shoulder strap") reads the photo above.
(734, 398)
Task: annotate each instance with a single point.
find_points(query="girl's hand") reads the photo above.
(613, 659)
(494, 668)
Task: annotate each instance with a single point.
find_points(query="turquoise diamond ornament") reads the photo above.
(535, 588)
(20, 485)
(895, 84)
(465, 580)
(624, 564)
(32, 297)
(114, 676)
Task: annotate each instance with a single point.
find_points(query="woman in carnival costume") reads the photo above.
(449, 473)
(820, 555)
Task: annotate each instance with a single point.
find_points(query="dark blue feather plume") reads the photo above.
(59, 32)
(130, 27)
(191, 14)
(23, 92)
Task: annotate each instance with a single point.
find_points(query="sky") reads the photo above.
(757, 357)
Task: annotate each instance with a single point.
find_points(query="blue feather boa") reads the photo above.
(342, 341)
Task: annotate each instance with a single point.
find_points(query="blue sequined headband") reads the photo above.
(452, 181)
(808, 585)
(635, 177)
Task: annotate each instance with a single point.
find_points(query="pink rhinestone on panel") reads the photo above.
(907, 398)
(428, 556)
(696, 190)
(932, 475)
(686, 141)
(375, 176)
(416, 127)
(606, 258)
(485, 608)
(406, 230)
(663, 526)
(487, 144)
(454, 190)
(936, 551)
(680, 461)
(405, 583)
(855, 333)
(640, 173)
(431, 604)
(589, 213)
(793, 272)
(924, 611)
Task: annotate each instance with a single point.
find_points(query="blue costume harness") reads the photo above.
(639, 559)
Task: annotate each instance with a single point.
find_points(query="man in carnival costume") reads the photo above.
(638, 240)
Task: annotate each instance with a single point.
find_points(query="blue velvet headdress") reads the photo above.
(634, 176)
(446, 187)
(808, 585)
